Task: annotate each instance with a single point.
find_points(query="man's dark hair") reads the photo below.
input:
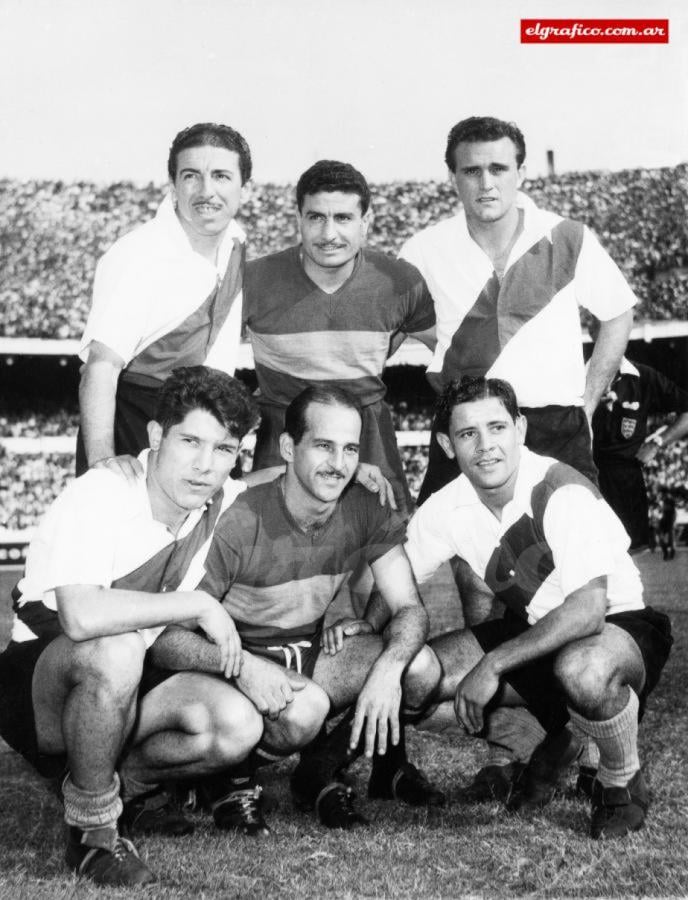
(329, 175)
(469, 389)
(483, 128)
(208, 134)
(295, 423)
(200, 387)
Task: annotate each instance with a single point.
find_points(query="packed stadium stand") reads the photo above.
(52, 233)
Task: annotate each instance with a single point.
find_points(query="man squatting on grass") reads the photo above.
(280, 555)
(107, 570)
(576, 641)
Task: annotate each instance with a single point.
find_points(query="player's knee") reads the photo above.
(585, 676)
(237, 732)
(422, 676)
(304, 716)
(113, 663)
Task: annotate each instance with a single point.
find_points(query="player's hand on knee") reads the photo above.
(269, 687)
(371, 478)
(378, 710)
(332, 638)
(219, 628)
(473, 694)
(127, 466)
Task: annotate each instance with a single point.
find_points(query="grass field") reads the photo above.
(461, 851)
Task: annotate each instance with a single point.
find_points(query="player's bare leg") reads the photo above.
(189, 726)
(84, 697)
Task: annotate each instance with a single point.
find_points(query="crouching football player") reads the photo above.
(577, 640)
(280, 556)
(104, 574)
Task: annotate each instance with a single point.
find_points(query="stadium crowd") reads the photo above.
(28, 483)
(52, 233)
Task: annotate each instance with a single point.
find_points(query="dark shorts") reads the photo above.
(535, 682)
(17, 722)
(292, 656)
(558, 431)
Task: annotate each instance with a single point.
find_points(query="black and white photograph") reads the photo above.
(343, 448)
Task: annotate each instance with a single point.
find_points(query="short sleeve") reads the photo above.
(600, 285)
(428, 542)
(118, 312)
(585, 536)
(77, 542)
(420, 314)
(386, 529)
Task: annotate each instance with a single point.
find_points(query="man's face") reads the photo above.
(487, 177)
(192, 460)
(486, 443)
(207, 189)
(333, 228)
(325, 459)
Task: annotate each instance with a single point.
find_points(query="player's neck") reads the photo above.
(328, 280)
(206, 245)
(163, 508)
(497, 238)
(307, 511)
(496, 499)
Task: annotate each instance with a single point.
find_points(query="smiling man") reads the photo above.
(331, 312)
(507, 280)
(114, 562)
(280, 557)
(167, 294)
(576, 640)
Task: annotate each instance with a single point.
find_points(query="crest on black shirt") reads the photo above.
(628, 427)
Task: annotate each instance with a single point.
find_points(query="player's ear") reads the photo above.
(154, 435)
(286, 445)
(446, 444)
(245, 192)
(521, 428)
(367, 219)
(521, 174)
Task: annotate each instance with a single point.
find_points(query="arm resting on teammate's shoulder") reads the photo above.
(97, 391)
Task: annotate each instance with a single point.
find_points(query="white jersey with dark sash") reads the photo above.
(524, 328)
(101, 531)
(554, 536)
(159, 305)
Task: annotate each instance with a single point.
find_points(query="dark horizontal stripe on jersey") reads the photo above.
(285, 604)
(281, 388)
(269, 636)
(500, 311)
(316, 355)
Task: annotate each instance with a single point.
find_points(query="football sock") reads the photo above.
(91, 810)
(617, 740)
